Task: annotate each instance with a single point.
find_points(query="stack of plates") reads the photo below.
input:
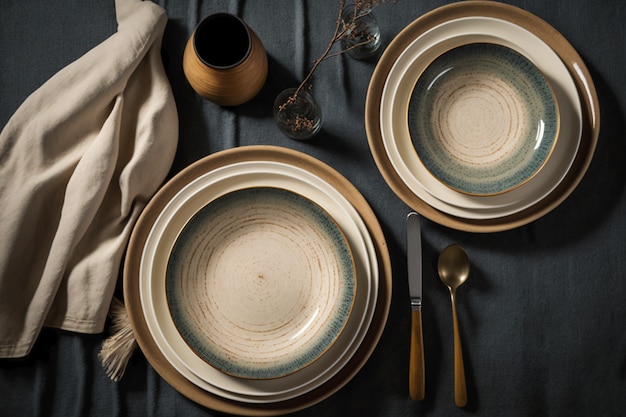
(432, 133)
(257, 281)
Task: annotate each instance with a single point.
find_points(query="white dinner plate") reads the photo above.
(197, 194)
(394, 125)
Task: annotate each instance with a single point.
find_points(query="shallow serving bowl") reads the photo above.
(483, 118)
(260, 282)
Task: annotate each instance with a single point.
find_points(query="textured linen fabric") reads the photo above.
(78, 161)
(543, 314)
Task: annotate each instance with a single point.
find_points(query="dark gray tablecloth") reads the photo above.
(543, 317)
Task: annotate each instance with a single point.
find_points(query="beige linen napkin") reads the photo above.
(78, 162)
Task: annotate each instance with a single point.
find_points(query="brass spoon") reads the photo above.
(454, 269)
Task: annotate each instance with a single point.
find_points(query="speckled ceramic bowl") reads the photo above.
(260, 282)
(483, 119)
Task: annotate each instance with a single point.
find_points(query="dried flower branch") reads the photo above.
(345, 29)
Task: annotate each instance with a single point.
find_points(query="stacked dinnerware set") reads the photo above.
(258, 280)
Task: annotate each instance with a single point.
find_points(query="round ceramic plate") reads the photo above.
(483, 119)
(553, 184)
(360, 350)
(214, 184)
(260, 282)
(394, 117)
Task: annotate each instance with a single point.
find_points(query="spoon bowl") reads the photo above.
(454, 267)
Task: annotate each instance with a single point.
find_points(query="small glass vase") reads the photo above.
(297, 117)
(362, 40)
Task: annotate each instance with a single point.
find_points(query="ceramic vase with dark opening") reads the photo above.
(224, 60)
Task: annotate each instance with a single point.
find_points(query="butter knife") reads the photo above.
(414, 259)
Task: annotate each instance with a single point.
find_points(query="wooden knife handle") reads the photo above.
(416, 360)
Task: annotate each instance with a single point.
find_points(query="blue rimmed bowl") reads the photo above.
(483, 119)
(260, 283)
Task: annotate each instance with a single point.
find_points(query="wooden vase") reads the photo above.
(224, 60)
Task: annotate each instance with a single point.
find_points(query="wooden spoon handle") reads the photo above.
(460, 388)
(416, 359)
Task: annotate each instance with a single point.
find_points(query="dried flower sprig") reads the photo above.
(344, 29)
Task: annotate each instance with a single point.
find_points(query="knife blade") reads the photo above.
(414, 262)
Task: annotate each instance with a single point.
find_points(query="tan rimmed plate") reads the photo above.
(131, 281)
(576, 68)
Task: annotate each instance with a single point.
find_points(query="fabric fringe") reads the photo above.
(118, 348)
